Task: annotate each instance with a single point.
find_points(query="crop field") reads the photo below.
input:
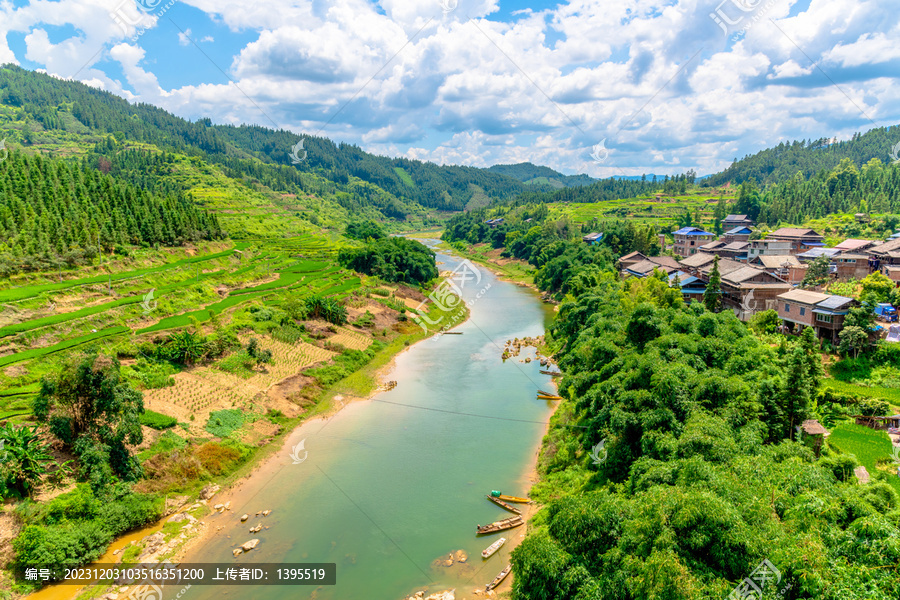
(868, 445)
(199, 392)
(350, 339)
(49, 315)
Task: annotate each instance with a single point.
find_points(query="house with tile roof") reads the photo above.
(823, 312)
(732, 221)
(801, 239)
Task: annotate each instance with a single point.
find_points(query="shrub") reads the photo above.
(219, 458)
(156, 420)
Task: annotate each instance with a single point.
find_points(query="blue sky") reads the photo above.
(663, 86)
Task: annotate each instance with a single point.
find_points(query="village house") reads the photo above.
(853, 245)
(768, 247)
(666, 264)
(851, 266)
(787, 267)
(692, 288)
(822, 312)
(738, 234)
(694, 263)
(629, 259)
(892, 273)
(801, 239)
(749, 290)
(887, 253)
(493, 222)
(689, 239)
(592, 238)
(732, 221)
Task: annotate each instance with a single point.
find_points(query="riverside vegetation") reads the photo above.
(674, 466)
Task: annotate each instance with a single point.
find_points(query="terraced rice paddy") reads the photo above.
(49, 317)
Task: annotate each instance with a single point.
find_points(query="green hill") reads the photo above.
(532, 174)
(809, 157)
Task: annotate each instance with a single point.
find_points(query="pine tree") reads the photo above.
(712, 296)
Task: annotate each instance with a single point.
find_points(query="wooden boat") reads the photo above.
(500, 577)
(503, 504)
(549, 397)
(552, 373)
(543, 393)
(505, 498)
(500, 525)
(490, 550)
(453, 333)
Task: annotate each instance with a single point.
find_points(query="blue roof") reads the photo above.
(692, 231)
(738, 230)
(813, 243)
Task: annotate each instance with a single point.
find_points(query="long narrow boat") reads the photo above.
(500, 577)
(500, 525)
(489, 551)
(551, 373)
(503, 504)
(505, 498)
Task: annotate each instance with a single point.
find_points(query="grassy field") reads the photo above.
(868, 445)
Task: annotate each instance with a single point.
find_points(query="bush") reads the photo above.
(219, 458)
(156, 420)
(77, 527)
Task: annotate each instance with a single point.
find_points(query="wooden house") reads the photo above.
(801, 239)
(825, 313)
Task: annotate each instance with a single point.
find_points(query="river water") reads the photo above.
(390, 484)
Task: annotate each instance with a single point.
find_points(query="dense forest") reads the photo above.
(394, 259)
(55, 213)
(675, 466)
(253, 152)
(808, 157)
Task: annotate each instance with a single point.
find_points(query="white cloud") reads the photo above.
(657, 78)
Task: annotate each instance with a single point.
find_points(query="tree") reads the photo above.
(853, 339)
(93, 410)
(876, 288)
(712, 296)
(23, 459)
(817, 272)
(185, 347)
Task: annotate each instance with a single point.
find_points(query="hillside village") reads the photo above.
(773, 272)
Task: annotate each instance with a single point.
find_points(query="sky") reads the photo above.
(603, 87)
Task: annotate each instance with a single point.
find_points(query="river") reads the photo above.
(390, 484)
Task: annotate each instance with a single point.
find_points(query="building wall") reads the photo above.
(798, 313)
(686, 245)
(855, 270)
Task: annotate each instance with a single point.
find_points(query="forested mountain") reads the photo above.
(253, 152)
(55, 213)
(532, 174)
(844, 189)
(808, 157)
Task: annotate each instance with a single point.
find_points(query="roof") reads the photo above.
(793, 232)
(855, 256)
(592, 237)
(834, 302)
(803, 296)
(666, 261)
(737, 246)
(743, 230)
(697, 260)
(633, 256)
(646, 266)
(885, 247)
(726, 265)
(692, 231)
(742, 274)
(776, 261)
(736, 218)
(852, 244)
(712, 245)
(817, 252)
(813, 427)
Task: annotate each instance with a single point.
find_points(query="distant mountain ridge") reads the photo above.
(532, 174)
